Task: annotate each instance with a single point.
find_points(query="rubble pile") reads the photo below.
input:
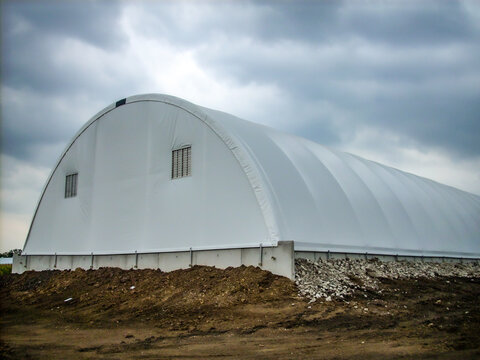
(339, 278)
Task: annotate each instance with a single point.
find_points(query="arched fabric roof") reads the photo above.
(326, 200)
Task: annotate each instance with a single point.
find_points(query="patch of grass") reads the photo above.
(5, 269)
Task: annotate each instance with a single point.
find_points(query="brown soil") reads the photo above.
(241, 313)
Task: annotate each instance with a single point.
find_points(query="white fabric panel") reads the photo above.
(61, 222)
(127, 200)
(119, 180)
(328, 200)
(395, 214)
(250, 184)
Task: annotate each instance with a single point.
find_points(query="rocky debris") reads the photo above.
(340, 278)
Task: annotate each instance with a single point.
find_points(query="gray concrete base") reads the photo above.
(279, 260)
(314, 255)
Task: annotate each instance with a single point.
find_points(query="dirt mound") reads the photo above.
(112, 294)
(241, 312)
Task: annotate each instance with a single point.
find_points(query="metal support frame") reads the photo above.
(55, 262)
(91, 260)
(261, 255)
(136, 259)
(191, 257)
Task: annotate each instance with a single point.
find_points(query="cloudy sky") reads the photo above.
(395, 82)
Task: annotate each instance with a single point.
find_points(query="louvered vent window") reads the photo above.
(182, 162)
(71, 185)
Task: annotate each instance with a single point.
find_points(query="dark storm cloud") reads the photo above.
(36, 36)
(304, 21)
(94, 22)
(30, 64)
(50, 68)
(425, 99)
(416, 56)
(409, 23)
(187, 23)
(449, 121)
(406, 67)
(28, 123)
(36, 62)
(403, 23)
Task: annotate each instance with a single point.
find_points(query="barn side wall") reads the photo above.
(279, 260)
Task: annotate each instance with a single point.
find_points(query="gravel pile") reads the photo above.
(337, 279)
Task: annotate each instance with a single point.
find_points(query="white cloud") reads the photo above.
(13, 230)
(178, 72)
(21, 184)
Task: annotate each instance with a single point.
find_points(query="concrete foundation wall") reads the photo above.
(314, 255)
(279, 260)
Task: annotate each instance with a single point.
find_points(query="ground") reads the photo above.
(242, 313)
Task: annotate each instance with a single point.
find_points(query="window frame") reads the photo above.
(181, 162)
(71, 185)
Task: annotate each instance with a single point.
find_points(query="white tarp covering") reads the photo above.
(250, 184)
